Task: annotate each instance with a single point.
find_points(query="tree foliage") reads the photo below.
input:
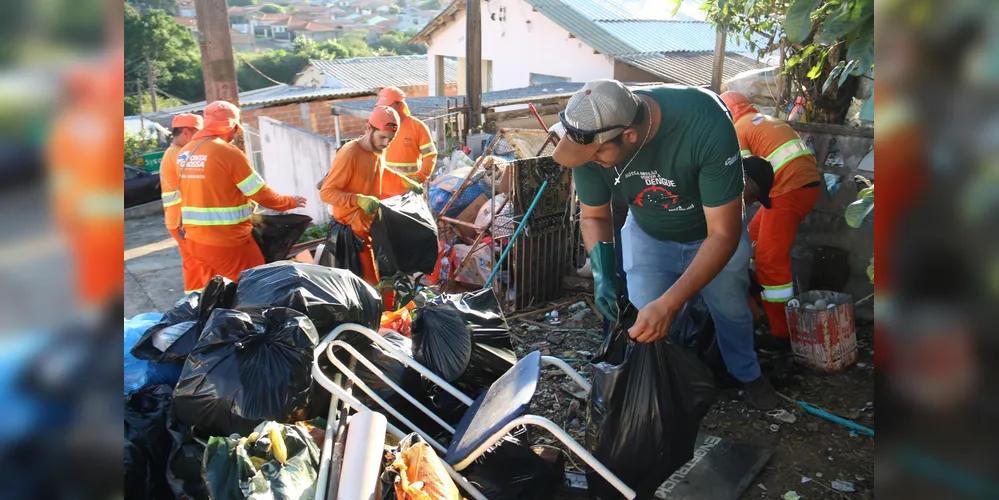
(139, 144)
(174, 56)
(272, 9)
(242, 3)
(823, 45)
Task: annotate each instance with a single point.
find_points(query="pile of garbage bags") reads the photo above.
(234, 360)
(220, 401)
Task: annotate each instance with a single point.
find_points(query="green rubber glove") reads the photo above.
(368, 203)
(413, 186)
(605, 292)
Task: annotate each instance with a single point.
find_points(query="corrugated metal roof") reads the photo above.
(690, 68)
(617, 27)
(268, 96)
(383, 71)
(436, 106)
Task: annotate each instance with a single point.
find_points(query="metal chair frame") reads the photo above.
(339, 393)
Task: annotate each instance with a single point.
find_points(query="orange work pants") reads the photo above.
(190, 266)
(369, 271)
(226, 261)
(772, 232)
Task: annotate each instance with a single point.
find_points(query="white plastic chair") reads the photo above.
(487, 420)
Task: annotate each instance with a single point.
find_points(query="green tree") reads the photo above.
(242, 3)
(280, 65)
(395, 10)
(397, 42)
(272, 9)
(432, 5)
(137, 145)
(174, 56)
(824, 46)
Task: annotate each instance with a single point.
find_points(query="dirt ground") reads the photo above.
(808, 455)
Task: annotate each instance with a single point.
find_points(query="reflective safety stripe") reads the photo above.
(251, 184)
(170, 198)
(398, 164)
(780, 293)
(103, 204)
(745, 152)
(188, 292)
(428, 148)
(788, 151)
(198, 216)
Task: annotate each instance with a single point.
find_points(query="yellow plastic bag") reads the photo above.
(422, 475)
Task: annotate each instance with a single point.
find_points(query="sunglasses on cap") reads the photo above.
(584, 137)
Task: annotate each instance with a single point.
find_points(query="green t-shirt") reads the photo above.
(692, 162)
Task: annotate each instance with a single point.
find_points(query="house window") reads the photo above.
(539, 79)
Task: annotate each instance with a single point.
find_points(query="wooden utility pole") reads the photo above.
(151, 78)
(719, 62)
(473, 61)
(217, 62)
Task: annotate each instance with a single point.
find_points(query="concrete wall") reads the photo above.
(296, 161)
(826, 225)
(525, 42)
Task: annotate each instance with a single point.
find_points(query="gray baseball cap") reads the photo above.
(599, 112)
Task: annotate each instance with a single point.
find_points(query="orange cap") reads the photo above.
(222, 116)
(737, 104)
(187, 120)
(384, 118)
(389, 95)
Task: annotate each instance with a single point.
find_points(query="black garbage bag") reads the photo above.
(173, 337)
(644, 409)
(184, 466)
(329, 297)
(252, 469)
(510, 470)
(404, 236)
(700, 338)
(137, 476)
(276, 234)
(187, 451)
(442, 341)
(403, 376)
(492, 351)
(146, 441)
(342, 249)
(251, 365)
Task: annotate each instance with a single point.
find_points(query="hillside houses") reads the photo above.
(254, 30)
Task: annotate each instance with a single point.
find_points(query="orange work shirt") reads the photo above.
(356, 171)
(217, 187)
(168, 187)
(775, 140)
(412, 150)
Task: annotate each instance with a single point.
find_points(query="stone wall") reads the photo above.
(825, 231)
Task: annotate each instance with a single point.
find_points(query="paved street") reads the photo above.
(153, 280)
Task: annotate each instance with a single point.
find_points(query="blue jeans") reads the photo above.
(653, 266)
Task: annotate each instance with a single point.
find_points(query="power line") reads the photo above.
(241, 58)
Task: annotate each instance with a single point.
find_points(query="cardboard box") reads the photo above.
(504, 183)
(469, 214)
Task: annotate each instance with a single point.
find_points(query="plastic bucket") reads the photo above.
(823, 336)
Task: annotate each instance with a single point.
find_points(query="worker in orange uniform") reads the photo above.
(86, 191)
(793, 193)
(183, 127)
(217, 187)
(358, 179)
(412, 152)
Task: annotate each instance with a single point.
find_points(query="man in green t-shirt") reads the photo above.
(671, 151)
